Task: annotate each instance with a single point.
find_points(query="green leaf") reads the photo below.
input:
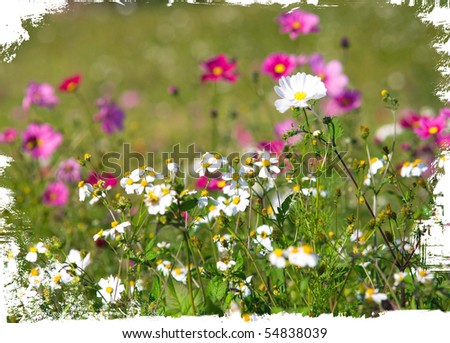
(217, 288)
(178, 299)
(188, 204)
(156, 288)
(150, 255)
(239, 262)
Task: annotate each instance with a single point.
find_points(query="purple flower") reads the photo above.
(278, 65)
(109, 115)
(285, 126)
(297, 22)
(344, 102)
(331, 74)
(56, 194)
(8, 136)
(40, 140)
(41, 95)
(69, 171)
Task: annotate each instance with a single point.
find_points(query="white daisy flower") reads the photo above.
(11, 258)
(243, 287)
(267, 166)
(301, 256)
(277, 259)
(236, 181)
(129, 182)
(179, 274)
(298, 90)
(137, 285)
(312, 191)
(101, 233)
(111, 289)
(205, 199)
(372, 294)
(399, 277)
(309, 178)
(210, 163)
(376, 164)
(34, 251)
(238, 202)
(36, 276)
(412, 169)
(225, 264)
(26, 295)
(77, 262)
(57, 276)
(263, 237)
(164, 267)
(85, 190)
(163, 245)
(116, 227)
(224, 243)
(423, 276)
(158, 198)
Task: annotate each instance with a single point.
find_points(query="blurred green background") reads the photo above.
(145, 47)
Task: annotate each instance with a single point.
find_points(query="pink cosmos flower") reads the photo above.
(410, 120)
(301, 60)
(275, 147)
(69, 171)
(443, 140)
(40, 140)
(331, 74)
(219, 68)
(8, 136)
(109, 115)
(110, 179)
(213, 184)
(278, 65)
(297, 22)
(243, 136)
(41, 95)
(56, 194)
(344, 102)
(445, 112)
(430, 126)
(70, 84)
(130, 99)
(284, 126)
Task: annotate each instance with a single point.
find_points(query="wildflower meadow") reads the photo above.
(233, 161)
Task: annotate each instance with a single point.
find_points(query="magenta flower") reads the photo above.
(344, 102)
(110, 179)
(56, 194)
(218, 68)
(410, 120)
(301, 60)
(40, 140)
(278, 65)
(297, 22)
(70, 84)
(109, 115)
(8, 136)
(331, 74)
(443, 140)
(69, 171)
(445, 112)
(430, 126)
(41, 95)
(275, 147)
(202, 182)
(243, 136)
(284, 126)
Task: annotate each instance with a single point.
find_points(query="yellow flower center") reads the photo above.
(10, 255)
(129, 182)
(144, 183)
(81, 184)
(57, 278)
(373, 160)
(34, 272)
(296, 25)
(152, 196)
(300, 96)
(159, 262)
(307, 249)
(322, 76)
(165, 191)
(279, 68)
(263, 234)
(177, 271)
(132, 283)
(71, 86)
(204, 193)
(33, 249)
(114, 224)
(278, 252)
(53, 196)
(217, 71)
(433, 130)
(423, 273)
(206, 165)
(296, 188)
(221, 183)
(370, 291)
(265, 163)
(235, 176)
(236, 200)
(294, 250)
(212, 208)
(109, 289)
(248, 160)
(246, 317)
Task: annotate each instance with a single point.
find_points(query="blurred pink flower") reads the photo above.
(275, 147)
(430, 126)
(213, 184)
(286, 125)
(443, 140)
(70, 84)
(40, 140)
(297, 22)
(8, 135)
(344, 102)
(219, 68)
(56, 194)
(301, 60)
(173, 90)
(110, 179)
(130, 99)
(410, 120)
(69, 171)
(109, 115)
(41, 95)
(278, 65)
(445, 112)
(331, 74)
(243, 136)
